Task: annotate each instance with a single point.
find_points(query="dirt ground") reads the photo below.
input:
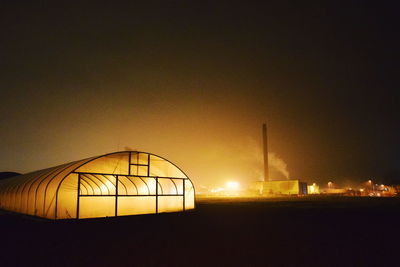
(309, 231)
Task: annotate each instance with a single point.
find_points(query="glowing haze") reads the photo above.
(195, 82)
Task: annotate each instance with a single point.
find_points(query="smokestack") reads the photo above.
(265, 142)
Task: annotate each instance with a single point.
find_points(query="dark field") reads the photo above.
(222, 232)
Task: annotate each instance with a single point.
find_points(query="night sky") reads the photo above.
(194, 81)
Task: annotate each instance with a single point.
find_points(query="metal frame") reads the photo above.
(130, 177)
(129, 172)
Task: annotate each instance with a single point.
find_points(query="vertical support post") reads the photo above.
(183, 184)
(116, 195)
(156, 194)
(78, 196)
(129, 163)
(148, 165)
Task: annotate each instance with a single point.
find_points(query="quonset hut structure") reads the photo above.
(115, 184)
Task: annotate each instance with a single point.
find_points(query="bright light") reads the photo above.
(231, 185)
(216, 190)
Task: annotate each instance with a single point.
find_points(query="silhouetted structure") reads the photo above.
(5, 175)
(265, 144)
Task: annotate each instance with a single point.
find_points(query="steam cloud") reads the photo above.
(252, 152)
(278, 164)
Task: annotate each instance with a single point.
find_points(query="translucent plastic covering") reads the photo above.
(116, 184)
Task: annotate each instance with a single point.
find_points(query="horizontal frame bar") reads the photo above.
(143, 176)
(166, 195)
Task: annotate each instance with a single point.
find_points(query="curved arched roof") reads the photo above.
(37, 193)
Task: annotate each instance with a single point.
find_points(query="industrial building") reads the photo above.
(278, 187)
(285, 187)
(115, 184)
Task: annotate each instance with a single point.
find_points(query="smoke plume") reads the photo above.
(278, 164)
(251, 152)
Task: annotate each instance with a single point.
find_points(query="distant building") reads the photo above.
(335, 191)
(313, 189)
(284, 187)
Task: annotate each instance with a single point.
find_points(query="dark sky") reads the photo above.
(194, 80)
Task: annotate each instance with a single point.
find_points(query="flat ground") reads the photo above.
(309, 231)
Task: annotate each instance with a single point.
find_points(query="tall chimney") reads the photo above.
(265, 142)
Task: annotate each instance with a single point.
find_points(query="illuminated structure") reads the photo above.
(285, 187)
(313, 189)
(115, 184)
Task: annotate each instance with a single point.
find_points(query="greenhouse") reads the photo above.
(115, 184)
